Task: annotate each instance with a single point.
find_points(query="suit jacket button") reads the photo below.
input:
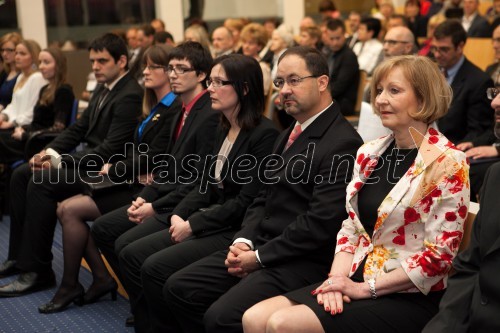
(484, 300)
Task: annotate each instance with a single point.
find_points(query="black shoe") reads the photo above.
(8, 268)
(74, 296)
(130, 321)
(95, 292)
(28, 283)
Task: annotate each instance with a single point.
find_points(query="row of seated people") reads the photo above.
(170, 246)
(34, 95)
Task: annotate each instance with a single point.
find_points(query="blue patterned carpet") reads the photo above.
(20, 314)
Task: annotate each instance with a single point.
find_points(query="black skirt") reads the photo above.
(398, 312)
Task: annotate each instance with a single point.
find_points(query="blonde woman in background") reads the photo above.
(26, 91)
(254, 38)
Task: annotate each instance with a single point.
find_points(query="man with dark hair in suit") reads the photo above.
(469, 115)
(285, 241)
(343, 67)
(472, 299)
(474, 24)
(36, 187)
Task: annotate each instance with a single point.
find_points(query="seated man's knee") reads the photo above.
(218, 316)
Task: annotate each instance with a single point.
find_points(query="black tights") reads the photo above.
(77, 244)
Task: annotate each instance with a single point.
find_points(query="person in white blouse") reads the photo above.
(369, 48)
(26, 91)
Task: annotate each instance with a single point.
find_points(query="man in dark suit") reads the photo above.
(36, 187)
(469, 115)
(193, 137)
(472, 300)
(343, 67)
(287, 234)
(473, 23)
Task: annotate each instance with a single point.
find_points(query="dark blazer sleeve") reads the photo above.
(230, 213)
(104, 138)
(480, 114)
(170, 194)
(156, 136)
(346, 75)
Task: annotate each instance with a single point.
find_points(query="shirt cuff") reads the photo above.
(258, 259)
(244, 240)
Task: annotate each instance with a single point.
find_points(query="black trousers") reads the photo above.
(33, 205)
(203, 297)
(147, 263)
(106, 230)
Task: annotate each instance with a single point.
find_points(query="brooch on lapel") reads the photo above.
(155, 117)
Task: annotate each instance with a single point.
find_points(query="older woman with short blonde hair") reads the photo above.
(406, 203)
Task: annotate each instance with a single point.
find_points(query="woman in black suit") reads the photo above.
(160, 106)
(207, 218)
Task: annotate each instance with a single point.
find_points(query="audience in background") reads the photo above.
(353, 24)
(158, 25)
(343, 67)
(310, 36)
(327, 9)
(253, 38)
(19, 112)
(469, 115)
(474, 24)
(368, 49)
(222, 41)
(51, 112)
(9, 72)
(417, 22)
(434, 21)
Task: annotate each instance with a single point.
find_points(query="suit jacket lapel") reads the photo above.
(311, 134)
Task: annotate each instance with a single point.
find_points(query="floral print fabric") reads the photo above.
(420, 222)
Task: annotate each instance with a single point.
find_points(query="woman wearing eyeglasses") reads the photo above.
(9, 74)
(160, 106)
(406, 203)
(207, 218)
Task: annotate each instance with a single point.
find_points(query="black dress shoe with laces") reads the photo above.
(28, 283)
(8, 268)
(75, 295)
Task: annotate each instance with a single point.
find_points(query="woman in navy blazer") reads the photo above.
(160, 106)
(207, 218)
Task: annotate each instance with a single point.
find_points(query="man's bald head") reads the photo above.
(398, 41)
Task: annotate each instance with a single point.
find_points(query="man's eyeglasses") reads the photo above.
(492, 93)
(440, 49)
(292, 81)
(217, 83)
(5, 49)
(179, 70)
(153, 67)
(393, 42)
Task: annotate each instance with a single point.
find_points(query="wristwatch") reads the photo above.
(497, 146)
(373, 291)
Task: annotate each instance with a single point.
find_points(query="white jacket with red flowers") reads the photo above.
(420, 222)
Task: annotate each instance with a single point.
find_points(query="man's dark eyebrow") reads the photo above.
(99, 59)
